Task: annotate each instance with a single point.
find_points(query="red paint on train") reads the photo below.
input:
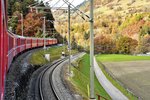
(11, 45)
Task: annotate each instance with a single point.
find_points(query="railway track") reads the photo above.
(60, 85)
(41, 84)
(45, 82)
(44, 86)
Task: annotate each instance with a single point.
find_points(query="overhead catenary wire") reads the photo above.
(55, 3)
(34, 4)
(70, 3)
(62, 6)
(38, 4)
(81, 15)
(65, 2)
(59, 7)
(76, 8)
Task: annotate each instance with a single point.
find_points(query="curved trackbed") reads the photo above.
(60, 87)
(43, 84)
(40, 87)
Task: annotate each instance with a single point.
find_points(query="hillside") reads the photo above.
(32, 19)
(115, 22)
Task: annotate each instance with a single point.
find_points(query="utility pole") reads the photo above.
(69, 44)
(44, 28)
(64, 39)
(62, 32)
(22, 23)
(92, 95)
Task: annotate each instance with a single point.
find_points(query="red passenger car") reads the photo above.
(11, 45)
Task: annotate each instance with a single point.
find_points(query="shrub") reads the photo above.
(126, 45)
(104, 44)
(144, 30)
(139, 17)
(144, 45)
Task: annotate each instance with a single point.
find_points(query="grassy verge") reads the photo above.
(81, 79)
(104, 58)
(119, 57)
(38, 58)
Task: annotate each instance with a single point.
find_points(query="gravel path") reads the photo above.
(61, 89)
(114, 93)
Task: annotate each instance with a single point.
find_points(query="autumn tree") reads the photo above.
(73, 43)
(144, 44)
(104, 44)
(19, 5)
(12, 23)
(86, 35)
(126, 45)
(32, 24)
(144, 30)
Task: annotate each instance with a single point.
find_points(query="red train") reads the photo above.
(11, 45)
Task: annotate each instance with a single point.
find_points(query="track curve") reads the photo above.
(48, 84)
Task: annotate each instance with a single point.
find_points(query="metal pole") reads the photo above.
(44, 28)
(22, 23)
(92, 95)
(62, 32)
(64, 39)
(69, 39)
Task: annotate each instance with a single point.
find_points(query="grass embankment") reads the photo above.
(38, 58)
(81, 79)
(119, 58)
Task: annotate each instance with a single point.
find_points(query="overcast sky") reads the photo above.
(60, 3)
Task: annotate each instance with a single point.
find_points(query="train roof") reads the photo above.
(23, 37)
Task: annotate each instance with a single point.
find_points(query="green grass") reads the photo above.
(104, 58)
(38, 58)
(120, 57)
(81, 79)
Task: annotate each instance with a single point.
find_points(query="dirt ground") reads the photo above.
(134, 75)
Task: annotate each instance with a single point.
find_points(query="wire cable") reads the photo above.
(76, 8)
(60, 7)
(63, 12)
(55, 3)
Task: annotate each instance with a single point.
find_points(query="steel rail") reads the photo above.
(49, 67)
